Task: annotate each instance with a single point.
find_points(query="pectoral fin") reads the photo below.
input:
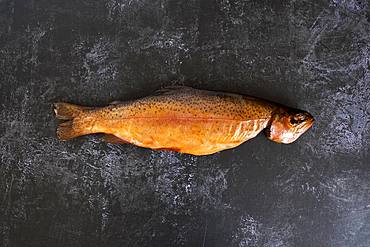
(113, 139)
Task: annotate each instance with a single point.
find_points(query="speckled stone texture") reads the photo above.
(313, 55)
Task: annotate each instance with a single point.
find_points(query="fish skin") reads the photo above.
(181, 119)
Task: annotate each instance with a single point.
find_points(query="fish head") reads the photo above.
(287, 125)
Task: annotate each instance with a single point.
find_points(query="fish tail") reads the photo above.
(66, 111)
(76, 123)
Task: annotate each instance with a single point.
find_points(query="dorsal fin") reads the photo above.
(116, 102)
(172, 90)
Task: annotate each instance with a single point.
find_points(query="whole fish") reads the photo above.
(185, 120)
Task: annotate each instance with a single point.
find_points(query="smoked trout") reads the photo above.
(185, 120)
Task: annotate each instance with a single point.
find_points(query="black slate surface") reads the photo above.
(312, 55)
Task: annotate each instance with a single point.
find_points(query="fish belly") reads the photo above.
(192, 136)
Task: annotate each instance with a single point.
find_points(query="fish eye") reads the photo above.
(297, 119)
(293, 121)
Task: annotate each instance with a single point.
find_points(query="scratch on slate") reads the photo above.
(205, 234)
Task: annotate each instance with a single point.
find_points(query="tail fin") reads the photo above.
(66, 111)
(74, 126)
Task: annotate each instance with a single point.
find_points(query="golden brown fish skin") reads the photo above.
(187, 120)
(183, 119)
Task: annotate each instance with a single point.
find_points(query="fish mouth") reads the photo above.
(306, 126)
(310, 121)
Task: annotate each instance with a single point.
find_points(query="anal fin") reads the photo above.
(169, 149)
(113, 139)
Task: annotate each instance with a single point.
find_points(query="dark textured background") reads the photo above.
(308, 54)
